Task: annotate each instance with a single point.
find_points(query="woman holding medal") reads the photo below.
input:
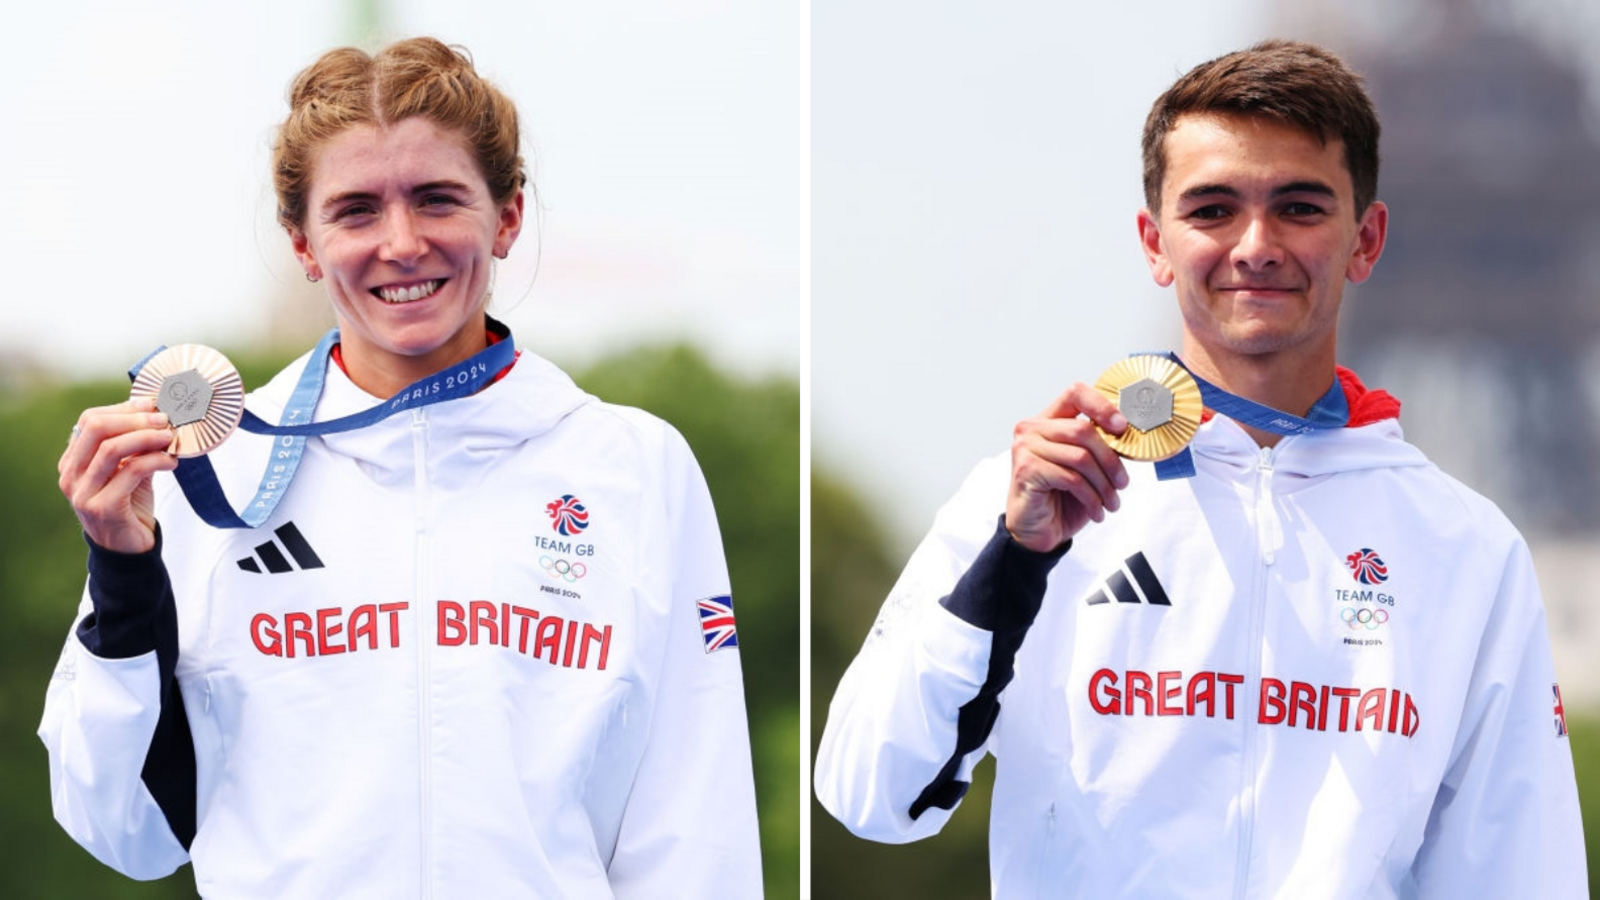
(474, 643)
(1290, 659)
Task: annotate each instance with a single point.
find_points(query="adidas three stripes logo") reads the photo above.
(271, 555)
(1122, 589)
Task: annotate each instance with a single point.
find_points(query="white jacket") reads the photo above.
(1211, 703)
(409, 683)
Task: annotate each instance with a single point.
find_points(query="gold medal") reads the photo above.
(1160, 401)
(199, 390)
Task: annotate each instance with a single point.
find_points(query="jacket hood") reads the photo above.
(1372, 440)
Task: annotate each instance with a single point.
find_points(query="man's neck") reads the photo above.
(1286, 381)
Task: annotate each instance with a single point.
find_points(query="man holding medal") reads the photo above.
(1274, 651)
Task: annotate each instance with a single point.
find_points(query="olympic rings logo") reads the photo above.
(1369, 619)
(560, 568)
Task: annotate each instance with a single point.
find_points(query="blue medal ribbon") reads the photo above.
(199, 480)
(1331, 410)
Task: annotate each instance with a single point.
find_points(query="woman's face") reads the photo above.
(400, 225)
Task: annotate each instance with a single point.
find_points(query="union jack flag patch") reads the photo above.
(1560, 711)
(716, 623)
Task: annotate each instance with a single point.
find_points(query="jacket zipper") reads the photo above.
(419, 458)
(1266, 537)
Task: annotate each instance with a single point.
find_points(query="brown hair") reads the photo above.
(1291, 82)
(415, 77)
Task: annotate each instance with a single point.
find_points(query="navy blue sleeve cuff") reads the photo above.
(132, 600)
(1001, 593)
(1004, 587)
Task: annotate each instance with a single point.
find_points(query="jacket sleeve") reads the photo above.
(914, 712)
(1506, 822)
(690, 827)
(121, 759)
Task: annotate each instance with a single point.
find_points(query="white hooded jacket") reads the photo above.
(1315, 671)
(462, 659)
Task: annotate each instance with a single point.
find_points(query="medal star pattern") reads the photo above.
(1152, 374)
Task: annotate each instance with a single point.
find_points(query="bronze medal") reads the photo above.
(1160, 401)
(199, 390)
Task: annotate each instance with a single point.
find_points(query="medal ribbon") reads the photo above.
(199, 480)
(1331, 410)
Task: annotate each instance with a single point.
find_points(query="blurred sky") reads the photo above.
(975, 176)
(666, 141)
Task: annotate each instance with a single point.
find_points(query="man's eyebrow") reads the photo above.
(1202, 191)
(1207, 191)
(1304, 187)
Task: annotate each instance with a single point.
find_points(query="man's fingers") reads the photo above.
(1081, 434)
(1082, 399)
(1073, 466)
(1102, 411)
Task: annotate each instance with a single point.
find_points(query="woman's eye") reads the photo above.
(354, 210)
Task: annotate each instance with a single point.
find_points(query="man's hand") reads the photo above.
(1063, 475)
(106, 469)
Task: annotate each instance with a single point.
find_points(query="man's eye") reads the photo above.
(354, 210)
(438, 200)
(1208, 213)
(1303, 209)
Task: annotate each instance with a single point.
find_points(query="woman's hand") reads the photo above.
(106, 471)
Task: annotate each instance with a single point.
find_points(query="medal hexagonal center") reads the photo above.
(1146, 404)
(186, 396)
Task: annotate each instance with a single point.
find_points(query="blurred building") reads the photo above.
(1483, 315)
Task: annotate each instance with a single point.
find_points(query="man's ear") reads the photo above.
(1155, 254)
(1371, 232)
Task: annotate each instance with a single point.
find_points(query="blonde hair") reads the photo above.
(418, 77)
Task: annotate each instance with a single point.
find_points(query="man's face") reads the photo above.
(1257, 232)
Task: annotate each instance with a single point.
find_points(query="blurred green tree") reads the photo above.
(852, 570)
(746, 435)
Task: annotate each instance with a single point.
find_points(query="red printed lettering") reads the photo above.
(297, 626)
(1227, 692)
(452, 624)
(265, 626)
(364, 624)
(1105, 698)
(394, 610)
(1302, 698)
(483, 617)
(1138, 689)
(549, 638)
(1345, 695)
(572, 634)
(327, 630)
(1272, 711)
(528, 616)
(1166, 690)
(1371, 707)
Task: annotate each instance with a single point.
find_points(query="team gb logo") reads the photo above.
(1367, 566)
(569, 514)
